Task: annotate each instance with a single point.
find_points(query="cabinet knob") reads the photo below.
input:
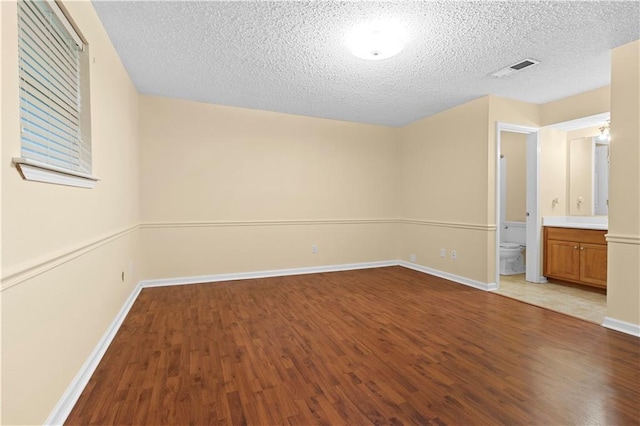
(575, 247)
(581, 248)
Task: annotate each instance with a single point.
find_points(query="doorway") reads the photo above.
(532, 221)
(585, 197)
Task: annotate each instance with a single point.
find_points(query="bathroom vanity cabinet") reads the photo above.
(576, 255)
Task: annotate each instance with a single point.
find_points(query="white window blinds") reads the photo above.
(50, 107)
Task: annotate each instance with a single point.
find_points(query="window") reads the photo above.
(54, 119)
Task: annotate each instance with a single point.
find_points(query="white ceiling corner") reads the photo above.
(291, 56)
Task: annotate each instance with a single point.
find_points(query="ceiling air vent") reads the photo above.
(519, 66)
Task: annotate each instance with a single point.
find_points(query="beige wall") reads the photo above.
(514, 149)
(262, 187)
(182, 250)
(623, 298)
(443, 190)
(63, 248)
(587, 132)
(440, 176)
(553, 172)
(580, 177)
(585, 104)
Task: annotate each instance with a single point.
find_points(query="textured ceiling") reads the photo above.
(291, 56)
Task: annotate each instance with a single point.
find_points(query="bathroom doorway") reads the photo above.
(574, 186)
(531, 219)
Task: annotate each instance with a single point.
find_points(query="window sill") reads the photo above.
(42, 172)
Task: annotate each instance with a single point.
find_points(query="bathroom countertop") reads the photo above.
(580, 222)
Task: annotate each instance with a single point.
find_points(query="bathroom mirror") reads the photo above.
(588, 176)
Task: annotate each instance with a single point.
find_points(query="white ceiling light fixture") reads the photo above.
(376, 41)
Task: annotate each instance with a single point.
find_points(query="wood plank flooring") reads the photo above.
(379, 346)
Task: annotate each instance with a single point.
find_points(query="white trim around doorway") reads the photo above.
(534, 221)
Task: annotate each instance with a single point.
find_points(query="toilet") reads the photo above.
(511, 258)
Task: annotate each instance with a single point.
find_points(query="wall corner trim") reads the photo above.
(448, 276)
(68, 400)
(622, 326)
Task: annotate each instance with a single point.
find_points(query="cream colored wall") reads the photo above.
(623, 296)
(261, 187)
(584, 104)
(514, 148)
(440, 175)
(442, 190)
(580, 177)
(182, 250)
(514, 112)
(63, 248)
(587, 132)
(553, 172)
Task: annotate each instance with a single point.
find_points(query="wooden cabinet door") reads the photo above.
(563, 260)
(593, 264)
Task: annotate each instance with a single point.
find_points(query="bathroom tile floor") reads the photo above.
(586, 304)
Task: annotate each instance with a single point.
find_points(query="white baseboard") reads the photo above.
(264, 274)
(622, 326)
(448, 276)
(314, 270)
(64, 406)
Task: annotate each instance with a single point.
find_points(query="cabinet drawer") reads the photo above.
(591, 236)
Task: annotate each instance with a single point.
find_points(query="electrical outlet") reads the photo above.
(454, 255)
(412, 258)
(443, 253)
(314, 249)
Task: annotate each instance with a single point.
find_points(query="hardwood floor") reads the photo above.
(381, 346)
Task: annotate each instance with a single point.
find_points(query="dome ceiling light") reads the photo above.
(375, 41)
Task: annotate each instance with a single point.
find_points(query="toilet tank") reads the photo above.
(514, 232)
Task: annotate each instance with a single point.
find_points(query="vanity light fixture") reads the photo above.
(376, 41)
(605, 132)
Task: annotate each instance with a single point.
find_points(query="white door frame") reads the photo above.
(533, 220)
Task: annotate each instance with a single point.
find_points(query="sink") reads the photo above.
(582, 222)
